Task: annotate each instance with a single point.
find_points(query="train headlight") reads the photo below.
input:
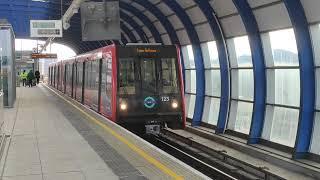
(123, 106)
(174, 104)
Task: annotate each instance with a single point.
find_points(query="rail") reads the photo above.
(219, 159)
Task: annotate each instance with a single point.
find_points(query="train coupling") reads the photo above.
(153, 129)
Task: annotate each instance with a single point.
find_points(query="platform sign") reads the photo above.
(46, 28)
(43, 56)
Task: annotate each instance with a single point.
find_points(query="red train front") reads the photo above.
(134, 86)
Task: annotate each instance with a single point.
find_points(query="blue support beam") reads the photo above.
(125, 17)
(162, 18)
(128, 32)
(144, 19)
(198, 58)
(217, 31)
(307, 77)
(124, 39)
(258, 61)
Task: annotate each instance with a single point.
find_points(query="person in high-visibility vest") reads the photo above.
(23, 77)
(30, 78)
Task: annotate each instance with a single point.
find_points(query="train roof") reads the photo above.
(98, 52)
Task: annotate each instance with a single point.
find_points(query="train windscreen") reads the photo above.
(148, 76)
(169, 76)
(127, 76)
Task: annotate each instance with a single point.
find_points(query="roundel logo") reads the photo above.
(149, 102)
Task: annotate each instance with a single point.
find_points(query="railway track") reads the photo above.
(189, 158)
(215, 165)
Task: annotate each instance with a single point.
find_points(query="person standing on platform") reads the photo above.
(23, 77)
(37, 74)
(30, 77)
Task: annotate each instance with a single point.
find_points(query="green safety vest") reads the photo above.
(23, 75)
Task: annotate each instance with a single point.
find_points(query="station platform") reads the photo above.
(50, 137)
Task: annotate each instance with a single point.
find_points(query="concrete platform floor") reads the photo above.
(52, 141)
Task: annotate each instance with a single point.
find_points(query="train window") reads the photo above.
(169, 75)
(126, 76)
(148, 75)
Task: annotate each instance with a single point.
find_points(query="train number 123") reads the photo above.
(165, 98)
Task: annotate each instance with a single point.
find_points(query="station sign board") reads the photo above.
(43, 56)
(46, 28)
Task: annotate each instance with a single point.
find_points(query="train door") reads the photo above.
(54, 76)
(87, 87)
(92, 84)
(50, 76)
(74, 79)
(65, 78)
(58, 77)
(80, 81)
(95, 80)
(68, 72)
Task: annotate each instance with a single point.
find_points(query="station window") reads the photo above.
(187, 52)
(284, 125)
(242, 84)
(191, 86)
(315, 145)
(210, 54)
(283, 87)
(190, 105)
(213, 83)
(315, 34)
(211, 110)
(241, 114)
(190, 75)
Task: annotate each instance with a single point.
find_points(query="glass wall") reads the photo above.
(315, 145)
(283, 87)
(213, 83)
(242, 84)
(190, 75)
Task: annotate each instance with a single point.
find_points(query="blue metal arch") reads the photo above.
(124, 16)
(128, 32)
(307, 77)
(193, 35)
(162, 18)
(258, 61)
(217, 31)
(147, 22)
(124, 39)
(69, 42)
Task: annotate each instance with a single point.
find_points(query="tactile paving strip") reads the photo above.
(119, 165)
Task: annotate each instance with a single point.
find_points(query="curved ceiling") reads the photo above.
(163, 21)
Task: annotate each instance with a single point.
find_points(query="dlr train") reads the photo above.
(134, 85)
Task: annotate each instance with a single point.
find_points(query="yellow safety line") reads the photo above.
(136, 149)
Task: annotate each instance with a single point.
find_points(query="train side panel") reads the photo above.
(108, 83)
(183, 105)
(114, 83)
(91, 81)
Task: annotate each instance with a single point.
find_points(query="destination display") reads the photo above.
(43, 56)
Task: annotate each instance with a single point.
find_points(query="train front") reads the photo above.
(150, 92)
